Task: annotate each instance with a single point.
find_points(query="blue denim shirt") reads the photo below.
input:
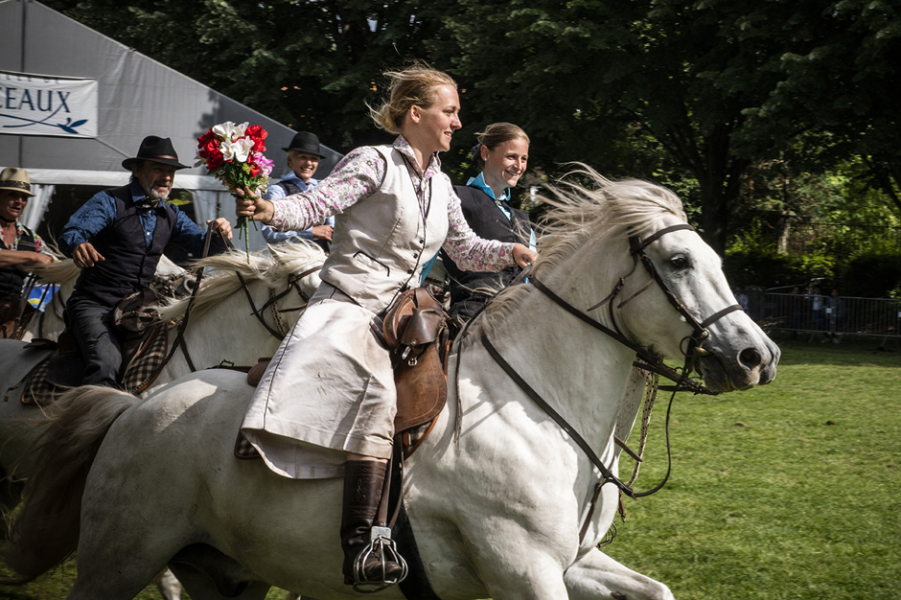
(99, 213)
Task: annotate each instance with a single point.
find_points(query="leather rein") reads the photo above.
(647, 360)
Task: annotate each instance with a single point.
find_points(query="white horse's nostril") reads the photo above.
(750, 358)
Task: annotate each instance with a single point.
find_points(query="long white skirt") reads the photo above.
(329, 390)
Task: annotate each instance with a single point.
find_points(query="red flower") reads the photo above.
(215, 161)
(257, 134)
(206, 137)
(254, 170)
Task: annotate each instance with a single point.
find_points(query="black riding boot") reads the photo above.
(363, 482)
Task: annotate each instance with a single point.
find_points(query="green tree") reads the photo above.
(841, 74)
(312, 65)
(688, 74)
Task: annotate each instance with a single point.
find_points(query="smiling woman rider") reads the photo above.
(327, 402)
(502, 155)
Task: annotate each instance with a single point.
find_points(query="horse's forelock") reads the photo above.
(599, 209)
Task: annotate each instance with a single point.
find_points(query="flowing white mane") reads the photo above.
(272, 266)
(62, 271)
(583, 216)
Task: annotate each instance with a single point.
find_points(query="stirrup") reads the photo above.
(383, 548)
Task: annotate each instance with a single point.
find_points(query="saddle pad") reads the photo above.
(18, 360)
(244, 450)
(39, 389)
(141, 372)
(144, 367)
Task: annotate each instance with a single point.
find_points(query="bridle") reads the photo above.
(692, 347)
(293, 284)
(280, 333)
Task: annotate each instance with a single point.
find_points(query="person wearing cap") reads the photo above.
(117, 239)
(19, 247)
(303, 159)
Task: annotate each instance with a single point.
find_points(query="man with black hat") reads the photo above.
(117, 239)
(303, 159)
(19, 247)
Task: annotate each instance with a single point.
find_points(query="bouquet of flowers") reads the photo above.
(234, 155)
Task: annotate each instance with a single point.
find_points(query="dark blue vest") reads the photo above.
(488, 222)
(130, 264)
(12, 278)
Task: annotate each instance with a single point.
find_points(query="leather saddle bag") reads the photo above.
(415, 326)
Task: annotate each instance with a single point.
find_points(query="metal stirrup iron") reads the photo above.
(380, 547)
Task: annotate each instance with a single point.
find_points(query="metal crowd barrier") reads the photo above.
(814, 314)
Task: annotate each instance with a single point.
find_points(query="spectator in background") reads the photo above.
(817, 306)
(19, 248)
(835, 311)
(303, 160)
(742, 298)
(794, 310)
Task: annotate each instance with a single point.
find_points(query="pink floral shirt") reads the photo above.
(359, 175)
(39, 245)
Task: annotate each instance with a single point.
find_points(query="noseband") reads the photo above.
(653, 362)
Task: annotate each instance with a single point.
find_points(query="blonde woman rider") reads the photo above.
(327, 402)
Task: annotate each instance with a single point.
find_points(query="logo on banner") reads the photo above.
(41, 105)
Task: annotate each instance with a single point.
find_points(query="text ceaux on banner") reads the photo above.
(45, 105)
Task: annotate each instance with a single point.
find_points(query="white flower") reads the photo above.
(229, 132)
(225, 131)
(238, 150)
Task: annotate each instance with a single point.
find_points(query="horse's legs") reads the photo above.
(516, 569)
(596, 576)
(201, 587)
(168, 585)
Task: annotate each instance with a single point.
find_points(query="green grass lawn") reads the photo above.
(786, 491)
(790, 490)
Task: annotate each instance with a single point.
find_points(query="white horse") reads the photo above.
(218, 331)
(496, 513)
(220, 300)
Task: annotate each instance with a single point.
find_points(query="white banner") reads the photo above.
(43, 105)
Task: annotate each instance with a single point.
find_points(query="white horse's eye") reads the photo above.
(680, 261)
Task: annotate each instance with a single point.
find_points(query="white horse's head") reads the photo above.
(588, 246)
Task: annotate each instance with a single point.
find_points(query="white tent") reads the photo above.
(134, 96)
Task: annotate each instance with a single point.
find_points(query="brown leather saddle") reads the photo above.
(415, 330)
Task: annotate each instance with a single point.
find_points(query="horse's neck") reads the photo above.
(580, 371)
(228, 330)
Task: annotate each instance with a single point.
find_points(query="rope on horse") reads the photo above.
(653, 383)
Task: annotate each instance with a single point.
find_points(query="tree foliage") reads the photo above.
(705, 96)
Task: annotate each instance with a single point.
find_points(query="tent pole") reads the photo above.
(22, 70)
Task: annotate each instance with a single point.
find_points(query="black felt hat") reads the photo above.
(155, 149)
(305, 141)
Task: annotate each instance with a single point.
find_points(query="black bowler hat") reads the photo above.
(155, 149)
(305, 142)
